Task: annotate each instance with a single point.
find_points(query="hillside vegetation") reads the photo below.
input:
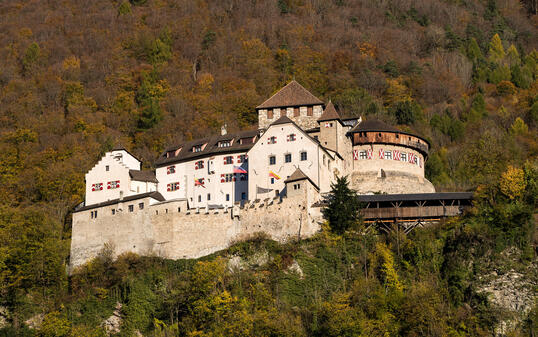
(79, 77)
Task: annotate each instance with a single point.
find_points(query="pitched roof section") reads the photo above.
(212, 147)
(139, 175)
(373, 125)
(329, 114)
(154, 195)
(299, 175)
(282, 120)
(293, 94)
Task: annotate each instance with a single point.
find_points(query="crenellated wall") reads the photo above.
(169, 230)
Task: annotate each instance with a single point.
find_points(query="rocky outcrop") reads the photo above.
(113, 323)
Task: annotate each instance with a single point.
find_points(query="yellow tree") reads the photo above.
(513, 182)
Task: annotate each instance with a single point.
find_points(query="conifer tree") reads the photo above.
(342, 211)
(496, 50)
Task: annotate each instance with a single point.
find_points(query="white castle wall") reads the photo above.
(117, 171)
(169, 230)
(185, 173)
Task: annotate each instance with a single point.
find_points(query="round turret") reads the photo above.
(387, 160)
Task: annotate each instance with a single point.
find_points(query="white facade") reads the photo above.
(110, 179)
(291, 148)
(217, 185)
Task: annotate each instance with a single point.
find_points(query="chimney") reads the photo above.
(223, 130)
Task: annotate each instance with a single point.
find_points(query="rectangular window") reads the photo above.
(272, 160)
(171, 169)
(227, 197)
(309, 111)
(228, 177)
(113, 211)
(243, 196)
(97, 187)
(228, 160)
(225, 143)
(296, 186)
(303, 156)
(141, 205)
(362, 155)
(172, 187)
(131, 208)
(270, 114)
(291, 137)
(199, 165)
(197, 148)
(208, 196)
(179, 209)
(243, 176)
(296, 112)
(287, 158)
(388, 154)
(403, 156)
(241, 158)
(199, 198)
(107, 168)
(272, 180)
(113, 184)
(271, 140)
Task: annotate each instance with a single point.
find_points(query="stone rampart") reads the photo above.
(169, 231)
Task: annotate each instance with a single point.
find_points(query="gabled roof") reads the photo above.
(299, 175)
(293, 94)
(212, 147)
(329, 114)
(154, 195)
(139, 175)
(282, 120)
(120, 147)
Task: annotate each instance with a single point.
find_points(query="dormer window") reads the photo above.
(225, 143)
(197, 148)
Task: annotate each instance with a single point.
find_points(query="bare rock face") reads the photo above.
(241, 263)
(4, 317)
(513, 293)
(296, 268)
(113, 323)
(35, 322)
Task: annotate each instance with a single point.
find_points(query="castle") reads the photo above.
(207, 193)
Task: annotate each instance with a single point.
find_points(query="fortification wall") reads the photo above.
(167, 230)
(392, 182)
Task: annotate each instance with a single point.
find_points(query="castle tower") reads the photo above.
(331, 132)
(387, 160)
(293, 101)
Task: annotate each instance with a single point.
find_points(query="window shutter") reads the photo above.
(381, 154)
(233, 178)
(108, 185)
(168, 187)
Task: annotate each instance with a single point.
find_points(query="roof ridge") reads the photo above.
(329, 113)
(292, 94)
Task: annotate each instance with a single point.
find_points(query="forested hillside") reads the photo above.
(79, 77)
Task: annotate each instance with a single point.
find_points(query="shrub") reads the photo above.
(505, 88)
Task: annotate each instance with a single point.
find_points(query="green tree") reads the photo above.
(473, 50)
(124, 8)
(31, 56)
(342, 210)
(496, 49)
(406, 112)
